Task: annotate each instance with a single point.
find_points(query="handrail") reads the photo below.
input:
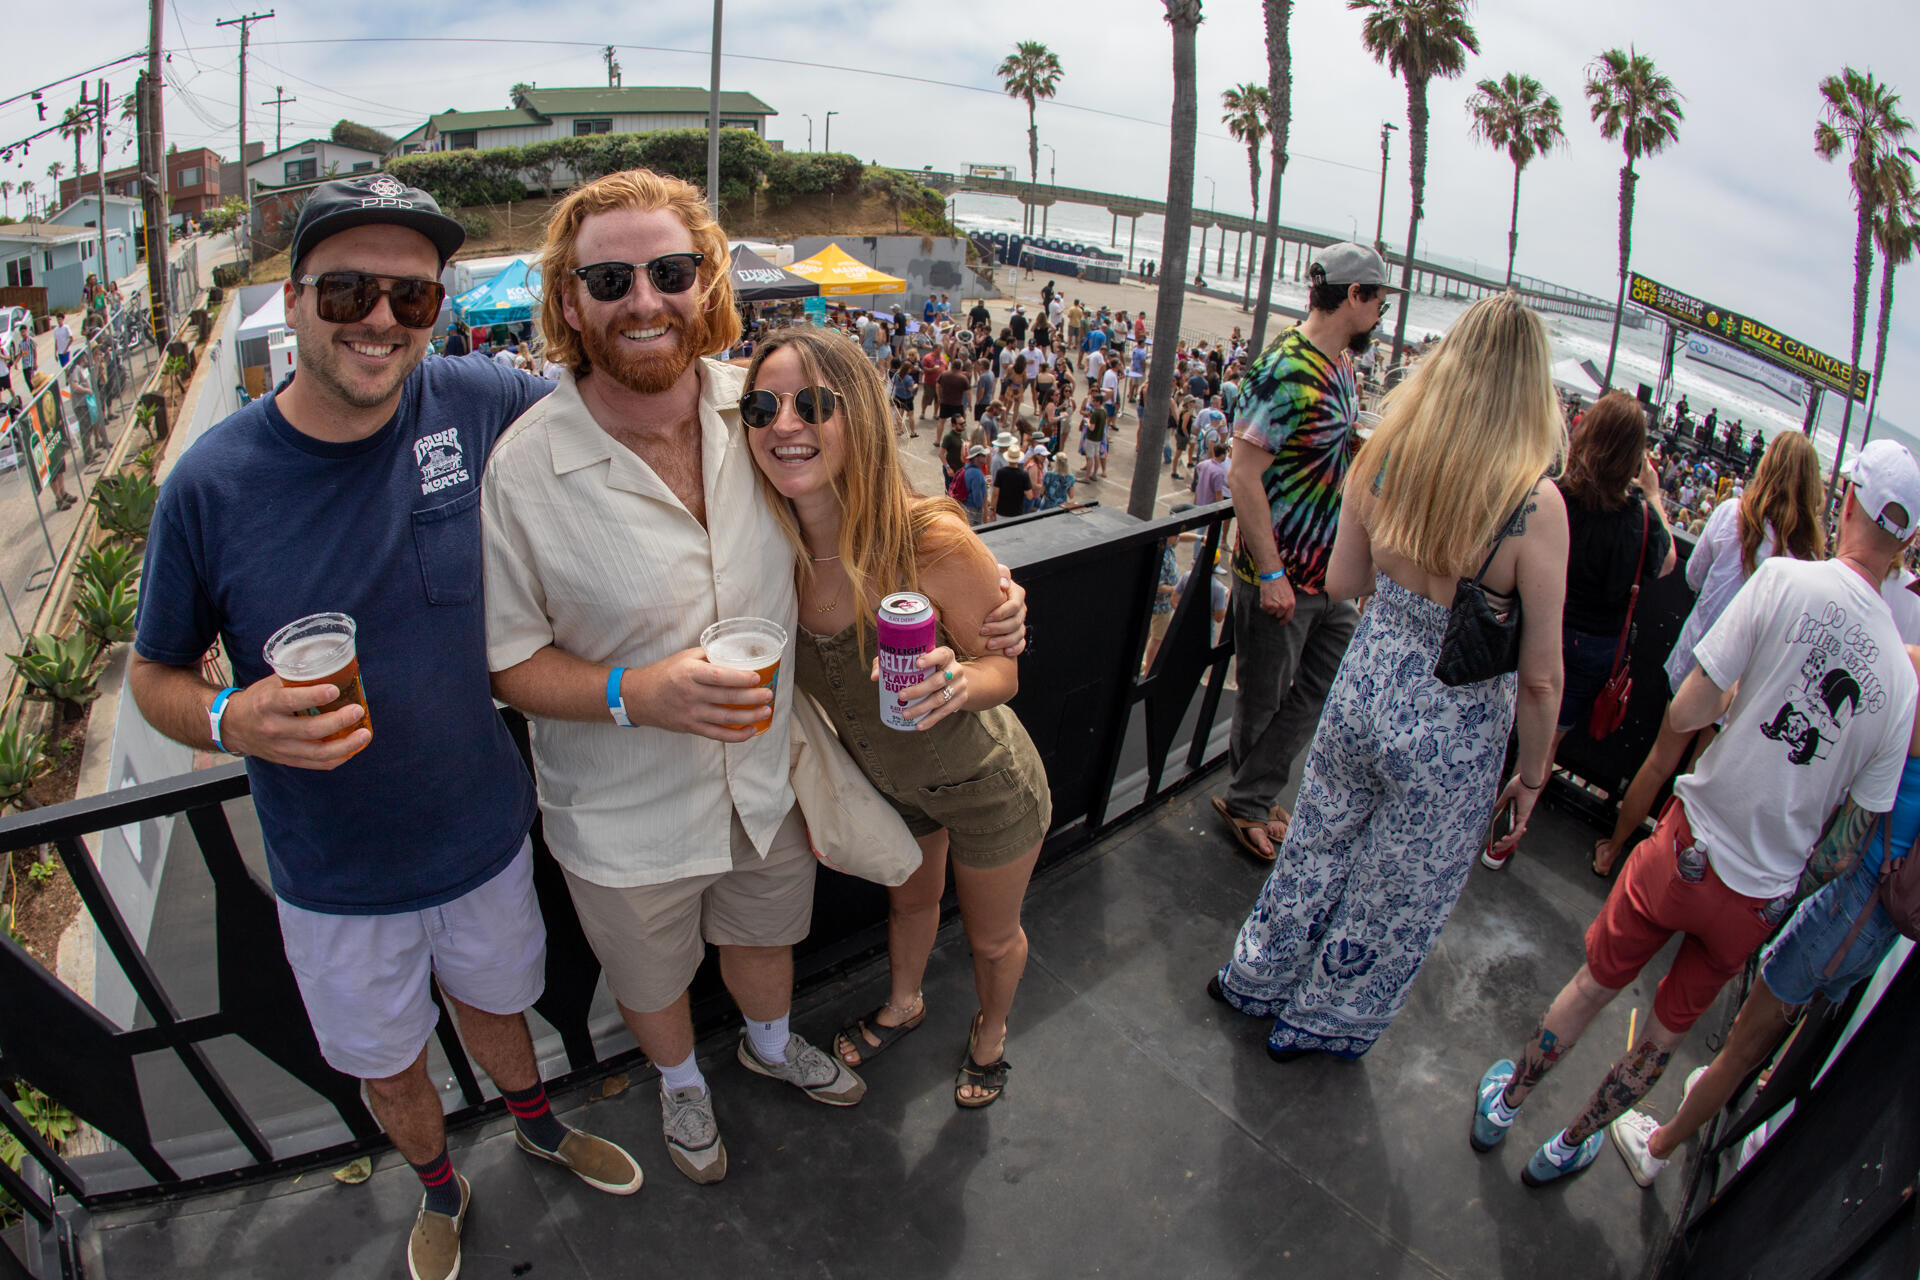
(1080, 700)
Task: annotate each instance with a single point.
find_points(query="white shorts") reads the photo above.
(367, 980)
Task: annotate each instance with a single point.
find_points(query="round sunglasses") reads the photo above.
(668, 273)
(346, 297)
(814, 405)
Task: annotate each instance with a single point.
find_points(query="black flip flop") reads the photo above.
(855, 1034)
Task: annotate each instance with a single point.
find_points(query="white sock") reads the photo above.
(1501, 1111)
(685, 1076)
(1562, 1149)
(769, 1039)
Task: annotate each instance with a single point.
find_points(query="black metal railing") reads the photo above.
(1115, 742)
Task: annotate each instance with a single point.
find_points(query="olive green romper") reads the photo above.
(976, 773)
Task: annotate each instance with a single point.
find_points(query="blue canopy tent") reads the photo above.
(508, 298)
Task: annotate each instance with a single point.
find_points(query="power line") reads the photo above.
(54, 84)
(596, 47)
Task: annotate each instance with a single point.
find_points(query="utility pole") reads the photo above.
(713, 120)
(153, 172)
(280, 99)
(1380, 216)
(246, 29)
(100, 176)
(613, 67)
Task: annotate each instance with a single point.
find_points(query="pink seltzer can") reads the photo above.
(905, 628)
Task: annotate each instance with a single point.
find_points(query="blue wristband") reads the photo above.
(214, 713)
(1275, 576)
(615, 703)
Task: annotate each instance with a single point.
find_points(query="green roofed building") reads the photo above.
(541, 115)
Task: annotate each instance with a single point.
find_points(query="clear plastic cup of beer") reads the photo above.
(748, 644)
(320, 649)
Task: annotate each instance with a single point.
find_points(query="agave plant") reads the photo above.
(146, 416)
(109, 564)
(107, 613)
(124, 504)
(23, 758)
(60, 670)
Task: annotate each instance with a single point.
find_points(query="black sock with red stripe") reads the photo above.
(535, 1117)
(443, 1189)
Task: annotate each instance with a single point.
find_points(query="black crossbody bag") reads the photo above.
(1478, 644)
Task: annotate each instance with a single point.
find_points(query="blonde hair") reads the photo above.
(888, 533)
(1464, 438)
(1785, 493)
(639, 191)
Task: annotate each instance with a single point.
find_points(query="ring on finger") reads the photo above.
(946, 695)
(950, 673)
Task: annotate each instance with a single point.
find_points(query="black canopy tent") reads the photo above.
(757, 280)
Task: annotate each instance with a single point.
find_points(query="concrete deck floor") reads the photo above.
(1144, 1131)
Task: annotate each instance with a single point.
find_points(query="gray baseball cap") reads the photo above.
(1349, 263)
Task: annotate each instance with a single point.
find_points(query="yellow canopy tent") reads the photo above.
(841, 276)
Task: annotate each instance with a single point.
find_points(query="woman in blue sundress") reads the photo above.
(1403, 772)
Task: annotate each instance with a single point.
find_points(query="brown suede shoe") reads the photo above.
(598, 1163)
(433, 1250)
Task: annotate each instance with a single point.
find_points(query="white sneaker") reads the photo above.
(693, 1138)
(1630, 1134)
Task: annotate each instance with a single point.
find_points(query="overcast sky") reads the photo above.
(1741, 211)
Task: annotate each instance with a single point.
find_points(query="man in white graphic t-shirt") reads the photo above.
(1807, 667)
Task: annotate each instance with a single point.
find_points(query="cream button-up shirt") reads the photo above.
(587, 549)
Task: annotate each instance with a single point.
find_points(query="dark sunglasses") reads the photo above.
(345, 297)
(814, 405)
(1386, 305)
(668, 273)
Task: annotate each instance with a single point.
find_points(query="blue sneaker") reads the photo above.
(1488, 1128)
(1544, 1166)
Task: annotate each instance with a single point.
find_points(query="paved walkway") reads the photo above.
(1144, 1132)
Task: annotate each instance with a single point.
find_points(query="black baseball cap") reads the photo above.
(373, 198)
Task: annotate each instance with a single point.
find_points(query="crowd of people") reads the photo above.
(1471, 520)
(562, 542)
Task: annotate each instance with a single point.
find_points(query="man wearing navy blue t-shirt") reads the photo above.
(399, 854)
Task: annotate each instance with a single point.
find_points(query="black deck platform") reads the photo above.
(1144, 1131)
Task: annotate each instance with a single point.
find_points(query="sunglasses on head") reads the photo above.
(814, 405)
(345, 297)
(668, 273)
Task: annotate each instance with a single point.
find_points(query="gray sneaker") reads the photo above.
(693, 1136)
(821, 1076)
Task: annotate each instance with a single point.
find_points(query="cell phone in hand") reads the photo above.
(1501, 827)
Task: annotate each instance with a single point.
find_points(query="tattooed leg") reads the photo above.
(1629, 1080)
(1578, 1003)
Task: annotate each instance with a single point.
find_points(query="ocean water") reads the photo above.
(1752, 403)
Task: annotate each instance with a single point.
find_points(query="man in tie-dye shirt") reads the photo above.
(1294, 436)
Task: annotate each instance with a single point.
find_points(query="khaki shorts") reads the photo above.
(651, 938)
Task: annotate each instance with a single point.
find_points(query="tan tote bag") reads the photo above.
(850, 826)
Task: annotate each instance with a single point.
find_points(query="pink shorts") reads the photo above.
(1658, 895)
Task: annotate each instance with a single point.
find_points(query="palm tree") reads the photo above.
(1639, 108)
(1031, 72)
(517, 95)
(26, 189)
(1418, 40)
(77, 124)
(1861, 116)
(54, 171)
(1184, 17)
(6, 200)
(1516, 113)
(1280, 91)
(1248, 107)
(1896, 230)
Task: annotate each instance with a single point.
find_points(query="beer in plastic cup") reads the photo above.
(319, 649)
(748, 644)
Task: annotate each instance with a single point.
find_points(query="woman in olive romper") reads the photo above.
(966, 778)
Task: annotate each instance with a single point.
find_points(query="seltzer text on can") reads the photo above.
(905, 628)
